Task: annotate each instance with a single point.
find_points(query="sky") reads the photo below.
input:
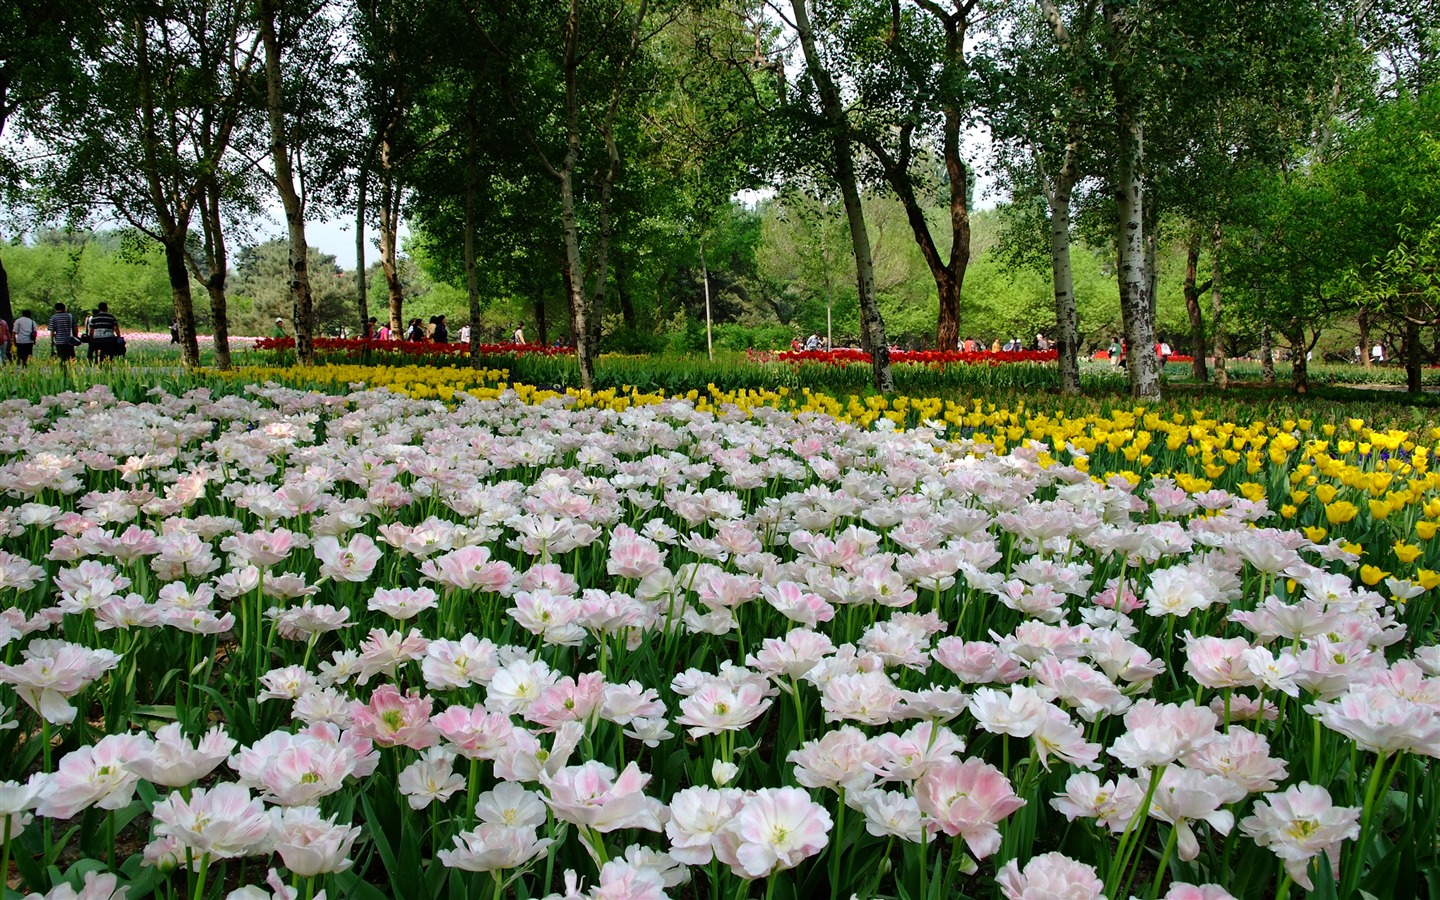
(333, 236)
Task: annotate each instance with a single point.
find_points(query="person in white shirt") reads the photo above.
(519, 334)
(25, 333)
(1377, 354)
(464, 334)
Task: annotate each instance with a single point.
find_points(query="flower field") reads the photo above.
(423, 633)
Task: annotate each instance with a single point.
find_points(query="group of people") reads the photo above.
(436, 331)
(1013, 345)
(1377, 354)
(1119, 348)
(98, 330)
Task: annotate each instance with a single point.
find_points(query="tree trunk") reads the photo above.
(184, 306)
(6, 311)
(1136, 309)
(1222, 378)
(217, 259)
(1192, 308)
(578, 298)
(362, 297)
(1299, 364)
(1067, 324)
(705, 282)
(626, 302)
(1365, 339)
(1267, 356)
(304, 310)
(1413, 363)
(389, 237)
(950, 287)
(872, 325)
(472, 275)
(1152, 274)
(542, 332)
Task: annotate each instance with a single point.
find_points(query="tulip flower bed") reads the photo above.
(351, 347)
(435, 641)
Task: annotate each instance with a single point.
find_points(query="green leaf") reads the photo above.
(353, 886)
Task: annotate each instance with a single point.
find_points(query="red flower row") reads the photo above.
(412, 348)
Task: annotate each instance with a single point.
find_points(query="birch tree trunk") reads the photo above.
(300, 296)
(1067, 323)
(872, 325)
(1136, 310)
(578, 298)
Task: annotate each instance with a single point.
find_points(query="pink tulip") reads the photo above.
(968, 799)
(391, 719)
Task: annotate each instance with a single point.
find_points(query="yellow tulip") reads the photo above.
(1372, 575)
(1340, 512)
(1406, 553)
(1427, 579)
(1380, 509)
(1315, 533)
(1425, 529)
(1325, 493)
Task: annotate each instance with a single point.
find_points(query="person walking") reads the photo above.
(62, 334)
(279, 331)
(104, 334)
(25, 333)
(440, 334)
(4, 340)
(519, 334)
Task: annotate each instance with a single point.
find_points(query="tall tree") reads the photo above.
(838, 134)
(1122, 41)
(298, 84)
(1046, 105)
(914, 100)
(572, 76)
(43, 45)
(184, 66)
(397, 45)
